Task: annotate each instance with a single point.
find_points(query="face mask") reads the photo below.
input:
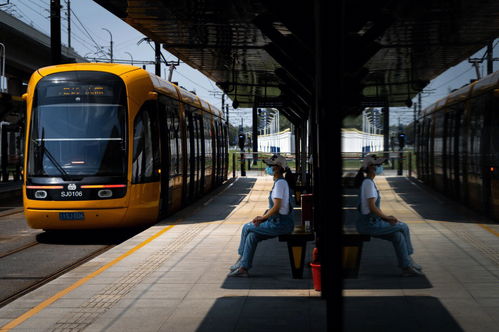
(379, 170)
(269, 170)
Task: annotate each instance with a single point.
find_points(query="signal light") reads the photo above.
(492, 169)
(44, 187)
(100, 186)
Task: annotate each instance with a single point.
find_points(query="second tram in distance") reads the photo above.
(111, 145)
(458, 145)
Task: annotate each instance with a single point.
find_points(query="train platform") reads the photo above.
(173, 276)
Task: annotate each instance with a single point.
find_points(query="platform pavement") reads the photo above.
(177, 281)
(172, 277)
(459, 251)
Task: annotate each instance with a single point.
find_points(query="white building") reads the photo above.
(283, 141)
(353, 140)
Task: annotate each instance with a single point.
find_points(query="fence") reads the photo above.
(250, 163)
(403, 162)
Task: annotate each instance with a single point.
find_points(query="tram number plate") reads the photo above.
(71, 216)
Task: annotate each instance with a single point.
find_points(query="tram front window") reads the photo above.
(78, 127)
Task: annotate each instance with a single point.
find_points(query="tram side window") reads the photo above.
(174, 136)
(225, 136)
(438, 142)
(476, 127)
(494, 136)
(207, 144)
(175, 128)
(145, 146)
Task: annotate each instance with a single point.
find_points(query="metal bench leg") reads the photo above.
(297, 250)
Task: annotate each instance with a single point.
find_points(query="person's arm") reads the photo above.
(270, 212)
(374, 209)
(278, 194)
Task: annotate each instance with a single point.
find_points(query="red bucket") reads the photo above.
(316, 275)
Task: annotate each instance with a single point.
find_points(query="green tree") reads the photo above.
(284, 123)
(353, 122)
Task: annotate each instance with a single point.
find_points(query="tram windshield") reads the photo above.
(78, 126)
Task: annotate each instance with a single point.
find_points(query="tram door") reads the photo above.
(196, 124)
(493, 167)
(202, 154)
(164, 120)
(191, 174)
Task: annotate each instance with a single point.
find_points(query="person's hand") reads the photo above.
(258, 220)
(392, 220)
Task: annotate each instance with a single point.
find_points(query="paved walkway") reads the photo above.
(172, 277)
(459, 252)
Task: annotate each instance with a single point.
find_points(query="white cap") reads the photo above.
(372, 160)
(276, 160)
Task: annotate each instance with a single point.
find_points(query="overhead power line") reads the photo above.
(89, 35)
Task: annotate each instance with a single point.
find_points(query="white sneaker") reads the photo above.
(416, 265)
(236, 265)
(411, 272)
(239, 273)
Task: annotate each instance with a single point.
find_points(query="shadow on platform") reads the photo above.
(262, 313)
(431, 204)
(90, 237)
(397, 313)
(217, 205)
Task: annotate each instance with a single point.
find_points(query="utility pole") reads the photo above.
(68, 8)
(415, 106)
(131, 56)
(172, 65)
(111, 44)
(255, 132)
(157, 59)
(386, 129)
(476, 63)
(55, 31)
(223, 101)
(490, 58)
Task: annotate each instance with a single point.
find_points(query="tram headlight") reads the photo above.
(40, 194)
(105, 193)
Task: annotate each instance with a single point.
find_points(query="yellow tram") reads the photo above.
(111, 145)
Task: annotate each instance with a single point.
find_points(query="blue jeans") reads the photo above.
(398, 234)
(251, 235)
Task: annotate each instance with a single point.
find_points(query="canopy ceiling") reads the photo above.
(263, 51)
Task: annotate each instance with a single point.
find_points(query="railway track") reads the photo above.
(37, 282)
(31, 258)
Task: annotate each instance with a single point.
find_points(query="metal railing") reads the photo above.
(403, 162)
(251, 163)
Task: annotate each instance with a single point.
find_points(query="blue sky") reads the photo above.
(88, 35)
(93, 18)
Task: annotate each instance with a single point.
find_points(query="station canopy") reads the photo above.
(262, 52)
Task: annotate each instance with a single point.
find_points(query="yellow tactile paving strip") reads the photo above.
(80, 318)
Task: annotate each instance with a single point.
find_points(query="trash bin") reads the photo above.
(316, 275)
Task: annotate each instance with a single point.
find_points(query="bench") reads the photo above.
(297, 245)
(352, 250)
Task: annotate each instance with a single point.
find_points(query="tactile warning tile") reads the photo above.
(98, 304)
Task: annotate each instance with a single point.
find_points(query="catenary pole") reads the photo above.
(55, 31)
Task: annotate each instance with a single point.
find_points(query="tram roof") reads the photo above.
(166, 87)
(486, 84)
(264, 49)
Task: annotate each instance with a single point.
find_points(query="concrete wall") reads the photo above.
(278, 142)
(353, 140)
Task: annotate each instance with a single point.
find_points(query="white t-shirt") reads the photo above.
(281, 190)
(368, 190)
